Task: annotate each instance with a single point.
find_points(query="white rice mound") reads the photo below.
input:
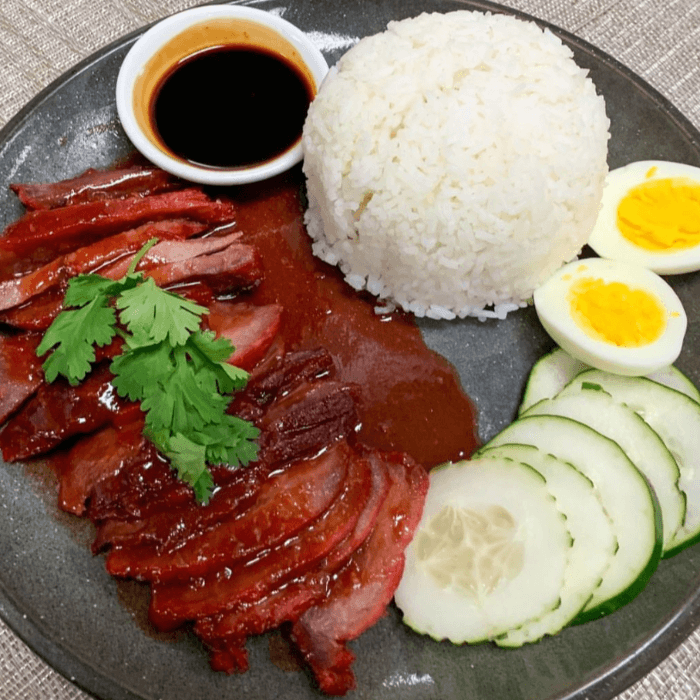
(454, 162)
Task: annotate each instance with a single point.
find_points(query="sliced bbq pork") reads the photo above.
(171, 251)
(288, 501)
(222, 262)
(226, 633)
(60, 411)
(173, 603)
(364, 587)
(278, 375)
(21, 371)
(18, 290)
(147, 502)
(94, 459)
(40, 236)
(250, 329)
(216, 264)
(148, 485)
(310, 536)
(37, 313)
(95, 185)
(232, 269)
(310, 415)
(134, 508)
(120, 525)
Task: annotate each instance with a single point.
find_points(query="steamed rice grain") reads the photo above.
(454, 162)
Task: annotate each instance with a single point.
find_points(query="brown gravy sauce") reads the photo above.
(411, 397)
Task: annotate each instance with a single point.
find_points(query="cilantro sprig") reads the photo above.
(179, 372)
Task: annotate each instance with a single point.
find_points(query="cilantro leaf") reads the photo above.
(138, 368)
(179, 373)
(213, 348)
(203, 487)
(205, 347)
(84, 288)
(188, 458)
(199, 402)
(74, 333)
(159, 406)
(231, 442)
(151, 314)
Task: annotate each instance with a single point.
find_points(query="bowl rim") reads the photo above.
(159, 34)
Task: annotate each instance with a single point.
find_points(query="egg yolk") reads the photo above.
(662, 214)
(615, 313)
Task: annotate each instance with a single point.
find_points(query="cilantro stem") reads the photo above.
(139, 256)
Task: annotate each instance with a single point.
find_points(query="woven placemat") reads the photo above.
(40, 39)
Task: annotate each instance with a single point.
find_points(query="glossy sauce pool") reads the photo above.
(411, 397)
(258, 118)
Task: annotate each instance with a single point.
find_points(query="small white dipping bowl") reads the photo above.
(180, 36)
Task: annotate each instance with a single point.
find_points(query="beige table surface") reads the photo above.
(40, 39)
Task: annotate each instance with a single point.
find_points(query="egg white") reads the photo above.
(606, 238)
(553, 309)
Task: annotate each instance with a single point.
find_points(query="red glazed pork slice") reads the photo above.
(171, 251)
(94, 185)
(59, 411)
(234, 268)
(21, 372)
(174, 603)
(231, 267)
(308, 418)
(287, 502)
(21, 369)
(40, 236)
(362, 590)
(226, 633)
(131, 496)
(280, 374)
(92, 460)
(20, 289)
(164, 528)
(148, 485)
(251, 329)
(221, 261)
(38, 313)
(148, 488)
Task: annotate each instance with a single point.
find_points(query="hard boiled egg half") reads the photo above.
(614, 316)
(650, 216)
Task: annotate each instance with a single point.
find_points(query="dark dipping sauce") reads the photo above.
(411, 397)
(230, 107)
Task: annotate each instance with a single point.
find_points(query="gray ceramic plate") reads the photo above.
(59, 599)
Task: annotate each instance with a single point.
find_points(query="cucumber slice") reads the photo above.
(673, 378)
(636, 517)
(489, 553)
(591, 528)
(549, 375)
(676, 419)
(556, 369)
(598, 410)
